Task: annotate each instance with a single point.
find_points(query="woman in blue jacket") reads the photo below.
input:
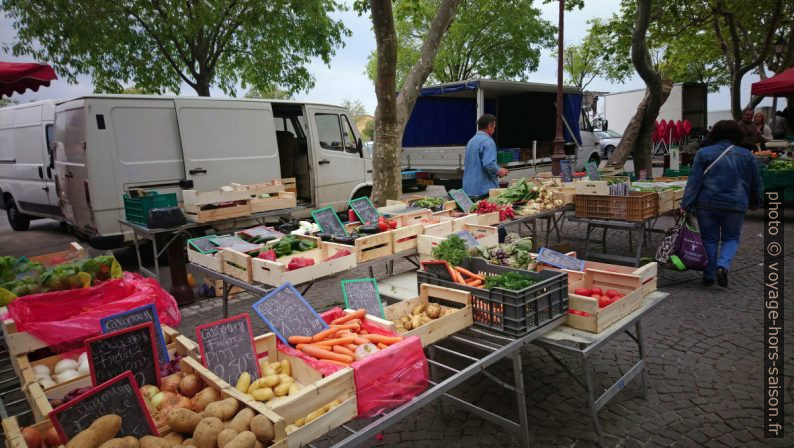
(723, 184)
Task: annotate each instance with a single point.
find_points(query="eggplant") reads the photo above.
(370, 229)
(288, 227)
(325, 236)
(347, 240)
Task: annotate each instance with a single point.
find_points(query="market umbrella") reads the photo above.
(781, 84)
(18, 77)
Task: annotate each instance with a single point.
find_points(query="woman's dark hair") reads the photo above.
(727, 130)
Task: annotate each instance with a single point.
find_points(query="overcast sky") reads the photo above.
(345, 78)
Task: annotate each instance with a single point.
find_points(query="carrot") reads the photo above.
(300, 346)
(320, 352)
(459, 278)
(300, 339)
(337, 341)
(358, 314)
(360, 340)
(382, 346)
(342, 333)
(363, 332)
(342, 350)
(388, 340)
(351, 327)
(468, 273)
(337, 363)
(324, 334)
(475, 283)
(351, 346)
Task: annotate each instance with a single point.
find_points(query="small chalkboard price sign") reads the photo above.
(262, 231)
(592, 171)
(462, 199)
(559, 260)
(364, 209)
(203, 244)
(329, 222)
(468, 238)
(238, 244)
(566, 170)
(133, 349)
(363, 293)
(136, 316)
(227, 348)
(439, 268)
(119, 395)
(287, 313)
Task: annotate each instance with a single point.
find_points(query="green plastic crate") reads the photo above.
(504, 157)
(136, 210)
(774, 179)
(684, 170)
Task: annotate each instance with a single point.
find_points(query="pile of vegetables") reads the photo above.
(521, 191)
(509, 280)
(542, 202)
(484, 207)
(453, 250)
(20, 277)
(781, 165)
(429, 202)
(515, 252)
(604, 298)
(286, 246)
(311, 416)
(276, 381)
(66, 369)
(420, 315)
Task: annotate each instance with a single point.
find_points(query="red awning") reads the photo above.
(18, 77)
(781, 84)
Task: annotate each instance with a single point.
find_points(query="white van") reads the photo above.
(106, 145)
(27, 181)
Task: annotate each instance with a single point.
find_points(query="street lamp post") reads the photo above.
(559, 154)
(779, 48)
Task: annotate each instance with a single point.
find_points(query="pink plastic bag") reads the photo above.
(63, 319)
(385, 379)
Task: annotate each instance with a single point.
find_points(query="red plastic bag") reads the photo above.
(299, 262)
(385, 379)
(63, 319)
(338, 254)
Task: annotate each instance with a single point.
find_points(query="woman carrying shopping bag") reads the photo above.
(723, 184)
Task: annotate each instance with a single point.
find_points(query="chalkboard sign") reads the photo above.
(119, 396)
(137, 316)
(462, 199)
(227, 348)
(470, 240)
(203, 244)
(287, 313)
(363, 293)
(566, 170)
(262, 231)
(329, 222)
(560, 260)
(132, 349)
(592, 171)
(232, 242)
(364, 209)
(439, 268)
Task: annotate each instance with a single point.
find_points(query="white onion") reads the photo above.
(83, 369)
(41, 375)
(82, 358)
(41, 368)
(66, 375)
(46, 383)
(65, 364)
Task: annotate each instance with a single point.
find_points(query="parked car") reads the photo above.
(608, 140)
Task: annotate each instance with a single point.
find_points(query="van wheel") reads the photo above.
(594, 159)
(363, 193)
(17, 220)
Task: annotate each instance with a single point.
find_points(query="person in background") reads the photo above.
(480, 171)
(779, 126)
(763, 129)
(751, 135)
(723, 184)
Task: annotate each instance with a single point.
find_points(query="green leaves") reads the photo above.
(158, 45)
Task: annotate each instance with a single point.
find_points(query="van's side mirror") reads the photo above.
(360, 147)
(605, 126)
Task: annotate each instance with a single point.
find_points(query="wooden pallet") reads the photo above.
(442, 327)
(601, 319)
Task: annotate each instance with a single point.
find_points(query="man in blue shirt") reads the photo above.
(480, 170)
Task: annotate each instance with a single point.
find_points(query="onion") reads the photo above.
(32, 437)
(82, 358)
(46, 383)
(159, 400)
(190, 385)
(171, 383)
(65, 364)
(66, 375)
(83, 368)
(42, 369)
(149, 391)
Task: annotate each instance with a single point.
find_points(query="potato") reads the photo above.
(404, 318)
(245, 439)
(188, 442)
(315, 414)
(264, 394)
(434, 311)
(291, 428)
(226, 436)
(416, 322)
(131, 441)
(174, 437)
(425, 320)
(206, 433)
(262, 428)
(284, 378)
(408, 325)
(243, 382)
(224, 409)
(86, 438)
(106, 427)
(116, 443)
(332, 405)
(183, 420)
(259, 444)
(268, 371)
(242, 421)
(270, 380)
(286, 369)
(204, 397)
(281, 390)
(300, 422)
(418, 309)
(155, 442)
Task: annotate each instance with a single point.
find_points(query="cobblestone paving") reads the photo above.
(704, 367)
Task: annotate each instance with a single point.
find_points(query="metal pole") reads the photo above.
(559, 154)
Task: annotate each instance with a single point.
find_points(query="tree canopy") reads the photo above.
(158, 45)
(585, 62)
(489, 38)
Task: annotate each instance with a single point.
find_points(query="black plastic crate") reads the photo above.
(514, 313)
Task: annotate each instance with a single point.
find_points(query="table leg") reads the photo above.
(137, 248)
(641, 346)
(631, 235)
(588, 378)
(604, 241)
(587, 240)
(371, 273)
(521, 398)
(639, 254)
(226, 289)
(156, 262)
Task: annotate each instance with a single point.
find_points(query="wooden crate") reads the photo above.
(277, 201)
(239, 265)
(211, 261)
(440, 230)
(600, 187)
(489, 219)
(678, 194)
(270, 187)
(274, 273)
(486, 235)
(442, 327)
(405, 238)
(601, 319)
(494, 193)
(375, 246)
(645, 273)
(202, 206)
(75, 252)
(414, 217)
(666, 201)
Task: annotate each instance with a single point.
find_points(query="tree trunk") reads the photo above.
(630, 138)
(202, 88)
(736, 96)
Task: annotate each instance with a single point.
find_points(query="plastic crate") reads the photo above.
(777, 179)
(514, 313)
(683, 170)
(636, 206)
(504, 157)
(136, 210)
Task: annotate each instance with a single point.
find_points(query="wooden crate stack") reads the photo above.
(239, 200)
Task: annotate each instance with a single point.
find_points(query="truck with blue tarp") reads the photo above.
(445, 118)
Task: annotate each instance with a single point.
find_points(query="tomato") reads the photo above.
(582, 292)
(579, 313)
(597, 291)
(611, 293)
(604, 302)
(596, 296)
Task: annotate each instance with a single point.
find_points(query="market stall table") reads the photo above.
(553, 219)
(629, 226)
(584, 345)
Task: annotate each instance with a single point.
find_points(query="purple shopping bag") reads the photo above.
(690, 247)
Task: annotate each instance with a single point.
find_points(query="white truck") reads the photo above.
(105, 145)
(687, 101)
(445, 118)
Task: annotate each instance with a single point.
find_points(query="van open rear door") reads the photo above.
(227, 141)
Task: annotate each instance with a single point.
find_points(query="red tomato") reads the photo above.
(604, 302)
(582, 292)
(596, 291)
(579, 313)
(611, 293)
(596, 296)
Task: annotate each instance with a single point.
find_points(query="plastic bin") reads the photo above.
(504, 157)
(514, 313)
(636, 206)
(684, 170)
(136, 210)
